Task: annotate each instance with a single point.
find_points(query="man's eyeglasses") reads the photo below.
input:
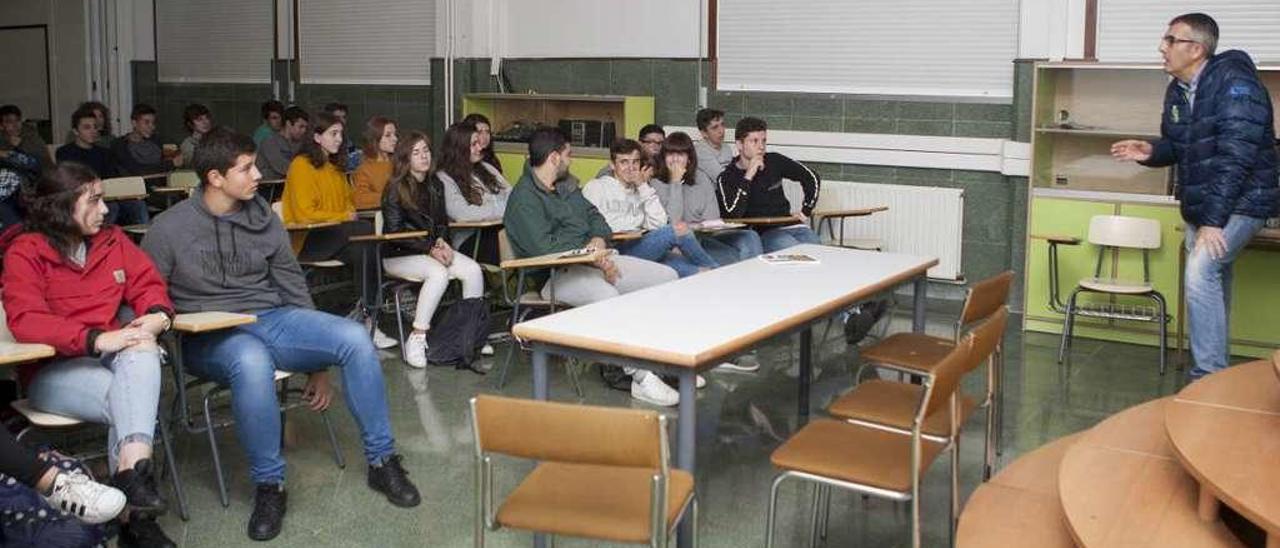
(1170, 40)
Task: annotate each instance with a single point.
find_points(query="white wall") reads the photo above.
(67, 50)
(144, 30)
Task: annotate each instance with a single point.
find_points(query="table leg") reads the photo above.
(919, 298)
(806, 372)
(686, 441)
(540, 391)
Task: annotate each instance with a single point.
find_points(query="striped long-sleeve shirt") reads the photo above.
(763, 195)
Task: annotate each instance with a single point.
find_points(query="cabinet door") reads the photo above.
(1255, 303)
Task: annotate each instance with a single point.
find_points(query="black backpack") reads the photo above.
(458, 336)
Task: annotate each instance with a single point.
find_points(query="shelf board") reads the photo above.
(548, 97)
(1099, 132)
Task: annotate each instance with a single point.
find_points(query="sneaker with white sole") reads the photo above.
(89, 501)
(649, 388)
(743, 365)
(382, 341)
(486, 350)
(415, 350)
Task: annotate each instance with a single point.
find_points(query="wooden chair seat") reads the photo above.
(915, 351)
(582, 500)
(853, 453)
(410, 279)
(1110, 285)
(894, 404)
(42, 419)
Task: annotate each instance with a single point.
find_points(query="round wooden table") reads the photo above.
(1120, 485)
(1020, 505)
(1225, 431)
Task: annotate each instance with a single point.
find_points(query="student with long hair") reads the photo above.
(67, 281)
(316, 191)
(414, 200)
(371, 177)
(689, 198)
(484, 133)
(474, 190)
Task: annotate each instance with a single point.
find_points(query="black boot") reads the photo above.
(139, 486)
(142, 531)
(268, 511)
(392, 480)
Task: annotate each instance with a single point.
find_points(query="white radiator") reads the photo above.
(921, 220)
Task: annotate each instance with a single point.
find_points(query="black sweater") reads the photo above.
(430, 215)
(763, 196)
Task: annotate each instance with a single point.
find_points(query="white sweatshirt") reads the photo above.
(625, 208)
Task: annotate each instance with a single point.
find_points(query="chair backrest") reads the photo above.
(947, 374)
(505, 253)
(123, 186)
(278, 207)
(560, 432)
(985, 297)
(183, 179)
(986, 336)
(1121, 231)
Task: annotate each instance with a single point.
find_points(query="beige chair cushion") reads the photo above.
(1111, 285)
(852, 453)
(910, 350)
(600, 502)
(894, 404)
(40, 418)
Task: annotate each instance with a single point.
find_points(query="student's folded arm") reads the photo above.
(809, 180)
(731, 194)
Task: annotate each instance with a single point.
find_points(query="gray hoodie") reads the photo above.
(239, 262)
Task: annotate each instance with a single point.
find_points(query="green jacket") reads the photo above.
(539, 222)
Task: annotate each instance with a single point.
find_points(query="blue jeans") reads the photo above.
(1208, 290)
(119, 390)
(656, 245)
(298, 340)
(775, 239)
(731, 246)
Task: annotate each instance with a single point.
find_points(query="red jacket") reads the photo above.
(52, 301)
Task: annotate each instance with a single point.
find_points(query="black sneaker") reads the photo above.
(268, 511)
(139, 486)
(142, 531)
(392, 480)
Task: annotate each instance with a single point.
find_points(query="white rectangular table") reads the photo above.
(693, 324)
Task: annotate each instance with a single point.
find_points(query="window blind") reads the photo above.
(387, 42)
(1130, 30)
(891, 47)
(228, 41)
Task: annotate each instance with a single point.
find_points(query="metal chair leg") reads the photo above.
(773, 511)
(213, 450)
(955, 489)
(1067, 325)
(333, 440)
(816, 520)
(826, 512)
(171, 463)
(399, 317)
(1164, 328)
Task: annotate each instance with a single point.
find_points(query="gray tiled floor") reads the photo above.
(742, 418)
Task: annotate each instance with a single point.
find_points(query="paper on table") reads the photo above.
(788, 258)
(718, 224)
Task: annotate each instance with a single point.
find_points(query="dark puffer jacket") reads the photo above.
(1225, 149)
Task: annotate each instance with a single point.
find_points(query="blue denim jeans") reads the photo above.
(731, 246)
(119, 390)
(298, 340)
(656, 245)
(1208, 290)
(775, 239)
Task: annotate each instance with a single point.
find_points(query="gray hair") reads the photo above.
(1204, 30)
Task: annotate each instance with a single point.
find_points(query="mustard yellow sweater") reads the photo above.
(316, 195)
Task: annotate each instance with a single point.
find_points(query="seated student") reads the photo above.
(65, 282)
(272, 121)
(246, 265)
(103, 116)
(546, 213)
(279, 148)
(473, 189)
(689, 199)
(484, 132)
(371, 177)
(316, 191)
(19, 135)
(713, 153)
(139, 152)
(651, 137)
(751, 186)
(351, 156)
(630, 203)
(86, 150)
(198, 121)
(415, 201)
(70, 491)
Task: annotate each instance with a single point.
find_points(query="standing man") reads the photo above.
(1217, 130)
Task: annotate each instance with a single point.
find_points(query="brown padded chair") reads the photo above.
(872, 460)
(919, 352)
(891, 405)
(580, 448)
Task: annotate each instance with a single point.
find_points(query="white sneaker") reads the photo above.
(90, 501)
(382, 341)
(701, 382)
(415, 350)
(486, 350)
(648, 388)
(743, 365)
